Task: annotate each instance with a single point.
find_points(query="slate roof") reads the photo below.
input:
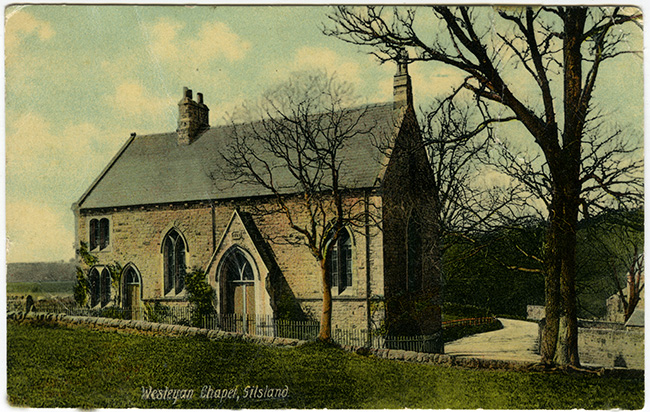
(154, 169)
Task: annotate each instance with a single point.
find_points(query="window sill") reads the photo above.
(352, 295)
(171, 298)
(97, 250)
(100, 306)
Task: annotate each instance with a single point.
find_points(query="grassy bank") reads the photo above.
(59, 367)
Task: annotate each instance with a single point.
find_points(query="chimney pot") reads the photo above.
(193, 117)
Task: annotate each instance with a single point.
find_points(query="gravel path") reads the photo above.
(516, 341)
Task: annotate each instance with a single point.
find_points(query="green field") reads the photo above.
(50, 366)
(58, 288)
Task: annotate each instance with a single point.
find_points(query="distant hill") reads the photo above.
(40, 272)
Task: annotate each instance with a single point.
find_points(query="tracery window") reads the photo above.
(174, 257)
(339, 260)
(100, 286)
(240, 286)
(94, 285)
(99, 233)
(105, 289)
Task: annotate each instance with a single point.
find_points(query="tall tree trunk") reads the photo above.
(560, 338)
(325, 333)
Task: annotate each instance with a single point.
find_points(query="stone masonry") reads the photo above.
(137, 234)
(169, 206)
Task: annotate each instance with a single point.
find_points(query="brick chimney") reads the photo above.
(402, 89)
(193, 117)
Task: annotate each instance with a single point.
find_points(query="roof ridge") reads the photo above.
(153, 168)
(352, 108)
(215, 127)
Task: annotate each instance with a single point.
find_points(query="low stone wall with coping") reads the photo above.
(612, 348)
(609, 345)
(151, 328)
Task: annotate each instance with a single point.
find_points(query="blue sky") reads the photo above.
(80, 79)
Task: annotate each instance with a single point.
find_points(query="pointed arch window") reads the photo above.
(99, 233)
(103, 233)
(100, 286)
(105, 282)
(93, 280)
(339, 260)
(94, 234)
(174, 255)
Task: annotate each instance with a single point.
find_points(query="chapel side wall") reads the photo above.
(377, 309)
(405, 197)
(302, 272)
(137, 234)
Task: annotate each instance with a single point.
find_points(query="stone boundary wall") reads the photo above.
(608, 345)
(535, 312)
(150, 328)
(612, 348)
(599, 324)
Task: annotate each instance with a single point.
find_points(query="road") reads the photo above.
(516, 341)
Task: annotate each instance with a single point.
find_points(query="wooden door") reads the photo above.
(133, 300)
(243, 300)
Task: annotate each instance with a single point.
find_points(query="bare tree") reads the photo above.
(294, 154)
(457, 157)
(611, 173)
(571, 41)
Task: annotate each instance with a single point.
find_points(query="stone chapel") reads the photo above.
(158, 211)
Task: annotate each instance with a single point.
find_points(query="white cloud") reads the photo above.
(20, 65)
(216, 39)
(47, 169)
(212, 41)
(434, 80)
(324, 58)
(32, 145)
(163, 39)
(51, 166)
(36, 232)
(131, 99)
(489, 177)
(228, 111)
(382, 84)
(20, 24)
(318, 58)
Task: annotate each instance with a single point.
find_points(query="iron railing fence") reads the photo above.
(263, 325)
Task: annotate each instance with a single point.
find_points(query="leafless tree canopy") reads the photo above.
(491, 46)
(293, 149)
(293, 152)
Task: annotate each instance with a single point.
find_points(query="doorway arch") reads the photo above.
(131, 292)
(237, 273)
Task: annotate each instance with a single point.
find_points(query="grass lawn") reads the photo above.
(58, 367)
